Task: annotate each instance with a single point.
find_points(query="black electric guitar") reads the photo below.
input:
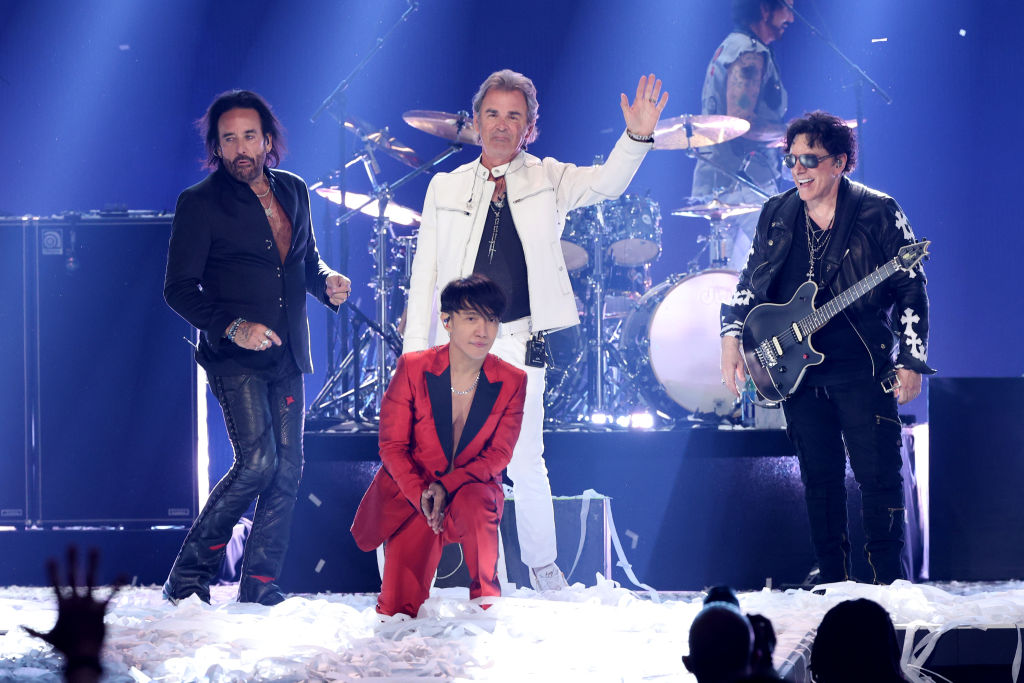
(777, 346)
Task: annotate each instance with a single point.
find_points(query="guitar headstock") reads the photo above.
(910, 255)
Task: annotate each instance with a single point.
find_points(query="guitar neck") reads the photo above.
(815, 321)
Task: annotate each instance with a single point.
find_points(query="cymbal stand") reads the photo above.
(329, 403)
(715, 245)
(574, 397)
(596, 342)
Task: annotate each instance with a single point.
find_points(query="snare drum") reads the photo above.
(634, 229)
(576, 235)
(671, 346)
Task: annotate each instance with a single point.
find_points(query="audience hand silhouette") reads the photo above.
(79, 631)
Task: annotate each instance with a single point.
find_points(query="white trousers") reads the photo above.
(535, 514)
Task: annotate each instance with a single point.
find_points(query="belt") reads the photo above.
(515, 326)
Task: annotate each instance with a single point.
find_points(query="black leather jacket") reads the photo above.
(870, 227)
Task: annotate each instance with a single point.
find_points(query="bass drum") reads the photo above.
(671, 347)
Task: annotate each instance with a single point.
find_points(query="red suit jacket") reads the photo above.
(416, 437)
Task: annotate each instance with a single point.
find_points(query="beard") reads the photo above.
(246, 174)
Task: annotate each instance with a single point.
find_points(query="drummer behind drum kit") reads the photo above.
(640, 347)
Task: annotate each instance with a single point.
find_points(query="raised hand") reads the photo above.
(79, 631)
(642, 116)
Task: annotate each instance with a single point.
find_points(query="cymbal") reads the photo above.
(781, 142)
(396, 213)
(716, 210)
(453, 127)
(384, 141)
(697, 130)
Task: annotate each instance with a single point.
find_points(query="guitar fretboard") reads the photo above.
(816, 320)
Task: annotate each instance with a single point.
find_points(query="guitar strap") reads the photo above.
(851, 196)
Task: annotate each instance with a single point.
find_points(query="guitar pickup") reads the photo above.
(796, 333)
(777, 345)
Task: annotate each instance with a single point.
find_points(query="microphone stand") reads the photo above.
(337, 97)
(862, 78)
(740, 179)
(345, 82)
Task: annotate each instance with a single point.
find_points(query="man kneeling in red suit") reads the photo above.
(448, 423)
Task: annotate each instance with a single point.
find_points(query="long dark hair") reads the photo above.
(240, 99)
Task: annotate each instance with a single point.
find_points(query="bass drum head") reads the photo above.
(672, 343)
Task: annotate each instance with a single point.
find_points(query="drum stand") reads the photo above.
(716, 245)
(575, 397)
(369, 373)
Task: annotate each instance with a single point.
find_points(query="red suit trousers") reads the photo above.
(412, 553)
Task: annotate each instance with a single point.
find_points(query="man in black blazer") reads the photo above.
(241, 258)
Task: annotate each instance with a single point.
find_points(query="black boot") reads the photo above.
(827, 514)
(885, 528)
(203, 551)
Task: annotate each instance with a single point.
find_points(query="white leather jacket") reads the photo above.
(540, 193)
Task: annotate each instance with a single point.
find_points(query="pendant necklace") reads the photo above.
(817, 242)
(269, 210)
(496, 207)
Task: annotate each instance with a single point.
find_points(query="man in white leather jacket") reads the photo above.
(502, 215)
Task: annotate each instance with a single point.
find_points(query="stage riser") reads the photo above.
(144, 556)
(693, 508)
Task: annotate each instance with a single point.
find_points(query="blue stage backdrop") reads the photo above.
(99, 99)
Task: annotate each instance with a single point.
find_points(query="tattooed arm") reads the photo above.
(742, 89)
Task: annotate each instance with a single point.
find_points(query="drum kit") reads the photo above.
(641, 347)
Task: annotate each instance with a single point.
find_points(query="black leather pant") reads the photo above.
(859, 415)
(264, 419)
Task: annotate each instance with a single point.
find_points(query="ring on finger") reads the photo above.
(268, 333)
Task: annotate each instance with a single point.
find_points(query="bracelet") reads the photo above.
(83, 662)
(234, 328)
(639, 138)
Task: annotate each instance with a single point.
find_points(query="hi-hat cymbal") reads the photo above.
(396, 213)
(697, 130)
(453, 127)
(781, 142)
(384, 141)
(716, 210)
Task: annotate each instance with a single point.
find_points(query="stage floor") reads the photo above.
(601, 633)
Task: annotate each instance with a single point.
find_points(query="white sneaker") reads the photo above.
(547, 578)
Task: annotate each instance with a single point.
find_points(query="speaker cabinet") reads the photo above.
(13, 404)
(110, 376)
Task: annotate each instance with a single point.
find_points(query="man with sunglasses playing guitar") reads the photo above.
(848, 240)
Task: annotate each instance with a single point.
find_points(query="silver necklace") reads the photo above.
(496, 208)
(456, 392)
(816, 244)
(269, 210)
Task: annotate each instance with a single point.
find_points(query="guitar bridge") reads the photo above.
(765, 355)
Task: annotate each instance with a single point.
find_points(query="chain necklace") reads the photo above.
(496, 207)
(269, 210)
(817, 242)
(456, 392)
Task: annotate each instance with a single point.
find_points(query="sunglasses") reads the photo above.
(808, 160)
